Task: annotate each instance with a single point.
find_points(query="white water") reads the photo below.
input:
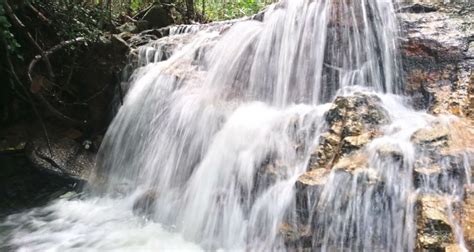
(196, 129)
(92, 224)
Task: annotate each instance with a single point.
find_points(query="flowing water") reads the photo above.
(181, 165)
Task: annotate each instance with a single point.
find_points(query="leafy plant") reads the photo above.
(222, 10)
(5, 30)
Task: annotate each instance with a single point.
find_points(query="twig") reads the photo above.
(141, 13)
(128, 18)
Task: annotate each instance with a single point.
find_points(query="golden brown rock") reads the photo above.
(353, 121)
(434, 231)
(468, 217)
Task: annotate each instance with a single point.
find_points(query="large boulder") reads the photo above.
(158, 16)
(68, 155)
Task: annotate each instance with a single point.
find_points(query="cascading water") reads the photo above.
(215, 131)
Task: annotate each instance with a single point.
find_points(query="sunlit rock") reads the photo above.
(434, 230)
(467, 215)
(352, 122)
(436, 55)
(432, 138)
(316, 178)
(389, 153)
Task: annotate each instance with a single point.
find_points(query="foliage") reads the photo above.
(5, 30)
(222, 10)
(72, 19)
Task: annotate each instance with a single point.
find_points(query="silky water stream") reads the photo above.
(180, 167)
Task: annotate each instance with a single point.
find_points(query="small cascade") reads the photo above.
(280, 134)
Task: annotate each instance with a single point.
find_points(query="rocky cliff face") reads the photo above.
(437, 50)
(438, 55)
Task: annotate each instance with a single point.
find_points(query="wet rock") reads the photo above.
(352, 143)
(269, 173)
(351, 163)
(432, 138)
(316, 178)
(295, 237)
(308, 188)
(389, 152)
(453, 138)
(434, 231)
(445, 154)
(425, 175)
(145, 204)
(66, 157)
(436, 57)
(418, 8)
(23, 186)
(353, 121)
(467, 217)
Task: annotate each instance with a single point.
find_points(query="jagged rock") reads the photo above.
(314, 178)
(433, 138)
(453, 138)
(308, 187)
(353, 121)
(445, 152)
(351, 143)
(436, 57)
(389, 152)
(434, 231)
(352, 163)
(425, 175)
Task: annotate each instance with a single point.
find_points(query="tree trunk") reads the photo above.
(190, 9)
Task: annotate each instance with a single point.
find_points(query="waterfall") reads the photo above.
(220, 122)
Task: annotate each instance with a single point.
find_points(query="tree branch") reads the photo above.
(31, 67)
(38, 13)
(28, 95)
(17, 22)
